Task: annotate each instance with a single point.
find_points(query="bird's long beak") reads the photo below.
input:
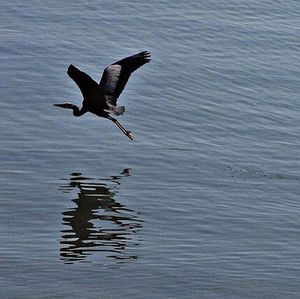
(59, 105)
(65, 105)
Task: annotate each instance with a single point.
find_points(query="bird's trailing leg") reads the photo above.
(126, 132)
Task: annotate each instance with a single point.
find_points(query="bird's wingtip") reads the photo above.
(146, 55)
(70, 68)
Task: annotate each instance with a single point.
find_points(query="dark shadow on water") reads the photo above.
(98, 222)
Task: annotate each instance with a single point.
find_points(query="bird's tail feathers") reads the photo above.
(116, 110)
(119, 110)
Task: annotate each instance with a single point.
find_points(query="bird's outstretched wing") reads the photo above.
(83, 81)
(116, 75)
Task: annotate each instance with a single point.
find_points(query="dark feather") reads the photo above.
(83, 81)
(116, 75)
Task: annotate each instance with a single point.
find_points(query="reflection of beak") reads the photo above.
(59, 105)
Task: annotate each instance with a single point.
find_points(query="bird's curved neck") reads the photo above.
(77, 111)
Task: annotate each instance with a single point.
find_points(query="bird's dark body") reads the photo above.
(93, 95)
(101, 99)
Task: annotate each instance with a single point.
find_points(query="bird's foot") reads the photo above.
(129, 135)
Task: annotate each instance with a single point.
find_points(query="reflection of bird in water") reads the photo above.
(98, 223)
(101, 99)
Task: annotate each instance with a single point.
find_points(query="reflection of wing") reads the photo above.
(83, 81)
(98, 223)
(116, 75)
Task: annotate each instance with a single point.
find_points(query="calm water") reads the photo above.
(204, 203)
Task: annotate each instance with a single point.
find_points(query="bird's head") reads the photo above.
(75, 109)
(65, 105)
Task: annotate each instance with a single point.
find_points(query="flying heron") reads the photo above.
(101, 99)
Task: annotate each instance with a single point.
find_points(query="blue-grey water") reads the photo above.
(204, 203)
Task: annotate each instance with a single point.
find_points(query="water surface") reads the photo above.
(203, 203)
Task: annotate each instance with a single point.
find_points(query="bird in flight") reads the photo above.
(101, 99)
